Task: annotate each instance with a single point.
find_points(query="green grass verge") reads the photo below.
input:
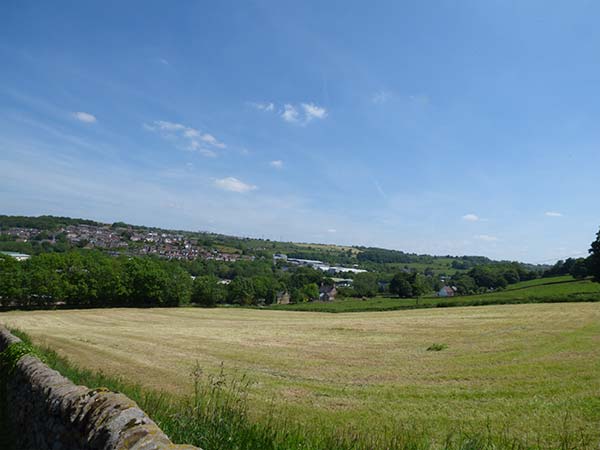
(217, 417)
(549, 290)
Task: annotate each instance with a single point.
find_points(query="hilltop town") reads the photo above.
(122, 238)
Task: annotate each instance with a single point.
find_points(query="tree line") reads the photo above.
(87, 278)
(91, 279)
(94, 279)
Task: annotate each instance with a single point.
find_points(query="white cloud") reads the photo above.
(191, 133)
(268, 107)
(332, 230)
(234, 185)
(84, 117)
(210, 139)
(486, 238)
(313, 111)
(194, 140)
(302, 113)
(196, 146)
(552, 214)
(277, 164)
(471, 217)
(163, 125)
(290, 114)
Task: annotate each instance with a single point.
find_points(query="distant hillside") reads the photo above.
(368, 257)
(41, 222)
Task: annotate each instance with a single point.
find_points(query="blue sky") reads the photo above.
(436, 127)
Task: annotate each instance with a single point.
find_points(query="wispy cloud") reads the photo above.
(234, 185)
(84, 117)
(198, 147)
(300, 114)
(210, 139)
(277, 164)
(312, 111)
(192, 138)
(263, 106)
(379, 188)
(552, 214)
(290, 114)
(486, 238)
(332, 230)
(471, 217)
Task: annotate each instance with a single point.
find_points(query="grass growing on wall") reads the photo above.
(216, 416)
(8, 360)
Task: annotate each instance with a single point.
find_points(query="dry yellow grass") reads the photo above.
(527, 367)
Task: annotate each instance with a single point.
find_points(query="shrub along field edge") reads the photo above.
(570, 291)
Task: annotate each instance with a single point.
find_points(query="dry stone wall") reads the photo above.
(48, 412)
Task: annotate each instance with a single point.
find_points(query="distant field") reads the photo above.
(557, 289)
(329, 247)
(540, 282)
(533, 369)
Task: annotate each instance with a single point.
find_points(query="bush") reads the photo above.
(436, 347)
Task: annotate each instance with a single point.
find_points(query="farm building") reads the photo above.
(342, 282)
(17, 256)
(283, 298)
(327, 293)
(447, 291)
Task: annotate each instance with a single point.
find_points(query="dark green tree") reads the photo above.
(305, 293)
(207, 291)
(241, 291)
(365, 284)
(11, 280)
(401, 285)
(580, 269)
(594, 259)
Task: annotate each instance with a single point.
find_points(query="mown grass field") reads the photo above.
(532, 371)
(557, 289)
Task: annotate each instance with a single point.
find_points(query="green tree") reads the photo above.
(419, 284)
(241, 291)
(305, 275)
(311, 291)
(580, 269)
(154, 283)
(266, 288)
(207, 291)
(365, 284)
(464, 284)
(305, 293)
(401, 285)
(594, 259)
(45, 280)
(11, 280)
